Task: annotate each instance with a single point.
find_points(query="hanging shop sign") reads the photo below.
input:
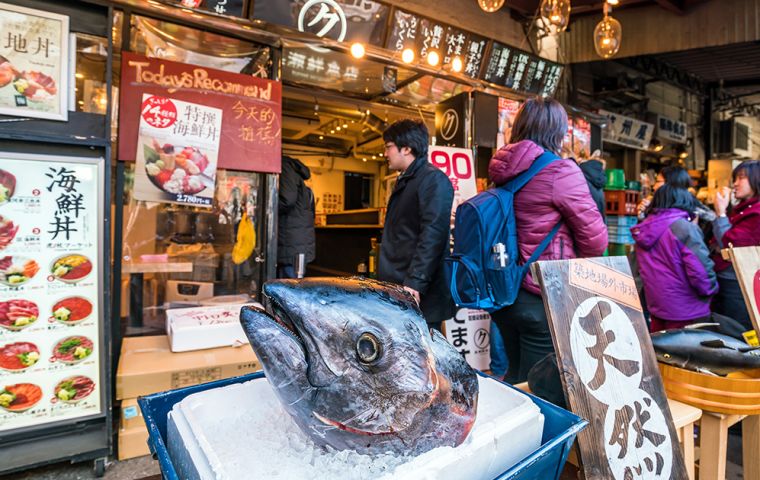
(341, 20)
(33, 63)
(627, 131)
(250, 107)
(51, 347)
(177, 151)
(424, 35)
(234, 8)
(512, 68)
(450, 121)
(673, 130)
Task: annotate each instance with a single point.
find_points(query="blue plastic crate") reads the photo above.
(621, 221)
(546, 463)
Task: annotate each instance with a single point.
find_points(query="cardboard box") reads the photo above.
(147, 365)
(133, 442)
(198, 328)
(131, 416)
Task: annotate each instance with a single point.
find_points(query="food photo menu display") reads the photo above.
(50, 289)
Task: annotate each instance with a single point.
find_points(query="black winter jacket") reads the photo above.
(295, 213)
(416, 237)
(593, 170)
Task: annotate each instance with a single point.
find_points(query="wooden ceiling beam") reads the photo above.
(675, 6)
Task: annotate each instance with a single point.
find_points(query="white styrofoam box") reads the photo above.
(241, 431)
(198, 328)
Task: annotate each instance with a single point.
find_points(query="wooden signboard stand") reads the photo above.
(609, 370)
(746, 262)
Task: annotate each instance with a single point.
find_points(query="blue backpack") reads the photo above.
(483, 270)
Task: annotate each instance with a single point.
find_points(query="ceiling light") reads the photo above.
(374, 157)
(364, 159)
(357, 50)
(337, 128)
(490, 6)
(613, 2)
(557, 13)
(608, 35)
(321, 137)
(656, 145)
(682, 152)
(345, 125)
(407, 56)
(456, 64)
(332, 131)
(380, 154)
(433, 58)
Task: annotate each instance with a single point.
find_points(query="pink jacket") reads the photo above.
(558, 192)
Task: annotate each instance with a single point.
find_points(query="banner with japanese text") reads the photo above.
(250, 132)
(627, 131)
(458, 165)
(51, 335)
(470, 333)
(33, 63)
(177, 151)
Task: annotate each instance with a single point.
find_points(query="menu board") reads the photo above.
(51, 227)
(521, 71)
(233, 8)
(423, 35)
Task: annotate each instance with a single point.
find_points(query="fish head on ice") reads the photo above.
(355, 364)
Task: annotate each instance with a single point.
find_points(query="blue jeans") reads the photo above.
(286, 271)
(499, 360)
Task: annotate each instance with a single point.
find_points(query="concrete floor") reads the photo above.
(147, 468)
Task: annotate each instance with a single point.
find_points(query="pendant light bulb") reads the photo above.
(608, 35)
(456, 64)
(433, 58)
(407, 56)
(490, 6)
(357, 50)
(556, 13)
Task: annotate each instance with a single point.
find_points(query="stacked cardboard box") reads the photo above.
(147, 365)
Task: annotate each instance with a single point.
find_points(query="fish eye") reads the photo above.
(368, 348)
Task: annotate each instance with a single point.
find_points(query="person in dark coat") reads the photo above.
(593, 170)
(416, 232)
(295, 217)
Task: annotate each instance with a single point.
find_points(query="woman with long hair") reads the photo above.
(739, 227)
(673, 260)
(557, 194)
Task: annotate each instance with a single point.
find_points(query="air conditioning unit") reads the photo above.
(733, 137)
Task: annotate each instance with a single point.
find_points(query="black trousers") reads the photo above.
(730, 302)
(527, 338)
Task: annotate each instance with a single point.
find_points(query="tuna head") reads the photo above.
(355, 365)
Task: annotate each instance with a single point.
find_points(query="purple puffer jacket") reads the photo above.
(675, 266)
(558, 192)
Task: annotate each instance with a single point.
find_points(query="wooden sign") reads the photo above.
(746, 262)
(609, 370)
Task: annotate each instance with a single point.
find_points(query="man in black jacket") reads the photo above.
(295, 232)
(416, 232)
(593, 170)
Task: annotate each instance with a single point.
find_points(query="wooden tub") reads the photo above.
(735, 394)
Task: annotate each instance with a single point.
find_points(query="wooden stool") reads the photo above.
(713, 435)
(684, 417)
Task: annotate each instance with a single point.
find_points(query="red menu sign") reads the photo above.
(251, 108)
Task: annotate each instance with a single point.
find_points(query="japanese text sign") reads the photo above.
(458, 165)
(627, 131)
(177, 151)
(233, 8)
(51, 289)
(609, 370)
(672, 130)
(250, 108)
(470, 333)
(33, 63)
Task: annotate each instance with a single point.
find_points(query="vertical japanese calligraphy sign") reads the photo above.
(746, 261)
(251, 108)
(609, 370)
(33, 63)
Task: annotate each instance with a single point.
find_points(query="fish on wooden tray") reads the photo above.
(704, 351)
(354, 363)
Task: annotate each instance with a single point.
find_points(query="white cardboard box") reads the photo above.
(241, 431)
(198, 328)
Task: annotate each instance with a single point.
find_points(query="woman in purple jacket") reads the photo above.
(673, 260)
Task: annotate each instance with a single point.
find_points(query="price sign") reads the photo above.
(458, 165)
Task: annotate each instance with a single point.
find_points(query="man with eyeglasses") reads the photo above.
(416, 232)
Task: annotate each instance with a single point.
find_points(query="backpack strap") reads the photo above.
(538, 164)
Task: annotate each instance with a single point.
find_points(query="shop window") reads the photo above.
(156, 38)
(198, 252)
(90, 93)
(358, 190)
